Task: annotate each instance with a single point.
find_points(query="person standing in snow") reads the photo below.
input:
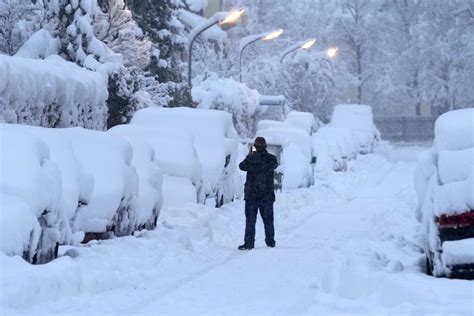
(259, 192)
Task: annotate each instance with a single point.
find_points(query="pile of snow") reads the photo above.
(112, 206)
(359, 119)
(332, 148)
(51, 93)
(214, 139)
(296, 143)
(304, 120)
(150, 176)
(32, 220)
(231, 96)
(444, 180)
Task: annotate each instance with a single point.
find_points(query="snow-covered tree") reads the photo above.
(19, 19)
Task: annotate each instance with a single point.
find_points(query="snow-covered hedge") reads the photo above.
(214, 138)
(51, 93)
(359, 119)
(150, 176)
(231, 96)
(32, 219)
(108, 158)
(444, 181)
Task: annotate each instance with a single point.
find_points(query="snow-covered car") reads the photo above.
(332, 148)
(359, 119)
(304, 120)
(32, 220)
(150, 176)
(296, 153)
(176, 156)
(444, 181)
(112, 208)
(215, 141)
(77, 185)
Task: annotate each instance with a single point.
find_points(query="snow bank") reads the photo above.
(231, 96)
(112, 206)
(51, 93)
(215, 140)
(31, 185)
(150, 176)
(359, 119)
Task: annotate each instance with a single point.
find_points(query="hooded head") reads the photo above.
(260, 143)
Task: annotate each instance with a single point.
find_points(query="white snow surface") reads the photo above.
(458, 251)
(194, 20)
(350, 246)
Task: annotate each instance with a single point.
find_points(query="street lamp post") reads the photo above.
(246, 41)
(301, 45)
(221, 18)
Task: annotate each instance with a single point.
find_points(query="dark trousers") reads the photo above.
(266, 211)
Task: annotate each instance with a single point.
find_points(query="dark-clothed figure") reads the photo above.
(259, 192)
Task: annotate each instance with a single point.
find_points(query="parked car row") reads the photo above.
(64, 186)
(310, 150)
(444, 182)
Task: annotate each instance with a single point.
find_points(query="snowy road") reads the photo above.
(349, 246)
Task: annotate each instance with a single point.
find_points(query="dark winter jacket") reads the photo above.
(260, 167)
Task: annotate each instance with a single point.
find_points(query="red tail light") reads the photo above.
(456, 221)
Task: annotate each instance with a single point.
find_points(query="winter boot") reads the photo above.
(245, 247)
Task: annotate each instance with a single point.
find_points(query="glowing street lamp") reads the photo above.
(332, 52)
(301, 45)
(221, 18)
(246, 41)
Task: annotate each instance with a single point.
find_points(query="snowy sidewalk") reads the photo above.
(350, 246)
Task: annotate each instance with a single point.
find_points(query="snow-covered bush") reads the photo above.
(51, 93)
(295, 162)
(176, 157)
(359, 119)
(108, 158)
(231, 96)
(33, 221)
(444, 180)
(150, 177)
(215, 140)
